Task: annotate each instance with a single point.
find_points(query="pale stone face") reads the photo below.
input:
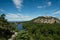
(46, 20)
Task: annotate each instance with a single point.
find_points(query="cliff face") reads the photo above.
(46, 20)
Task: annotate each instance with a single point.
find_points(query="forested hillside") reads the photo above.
(39, 31)
(32, 30)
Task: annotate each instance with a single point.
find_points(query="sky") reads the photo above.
(25, 10)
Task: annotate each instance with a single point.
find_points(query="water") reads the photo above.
(19, 26)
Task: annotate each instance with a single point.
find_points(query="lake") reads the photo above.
(19, 26)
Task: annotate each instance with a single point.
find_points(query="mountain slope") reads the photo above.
(46, 19)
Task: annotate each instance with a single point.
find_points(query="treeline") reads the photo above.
(39, 31)
(6, 28)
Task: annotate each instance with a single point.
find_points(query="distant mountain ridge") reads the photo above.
(46, 19)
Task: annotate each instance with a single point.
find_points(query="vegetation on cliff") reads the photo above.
(39, 31)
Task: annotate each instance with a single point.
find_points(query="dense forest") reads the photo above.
(39, 31)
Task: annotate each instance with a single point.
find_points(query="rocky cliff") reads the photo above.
(46, 19)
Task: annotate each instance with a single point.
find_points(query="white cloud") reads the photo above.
(18, 3)
(17, 17)
(49, 3)
(44, 6)
(2, 10)
(57, 12)
(41, 6)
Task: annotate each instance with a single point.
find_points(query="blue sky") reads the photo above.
(23, 10)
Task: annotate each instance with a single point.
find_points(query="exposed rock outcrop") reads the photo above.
(46, 19)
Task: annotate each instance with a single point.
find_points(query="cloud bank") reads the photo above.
(17, 17)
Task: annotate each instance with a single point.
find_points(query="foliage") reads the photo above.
(5, 28)
(39, 31)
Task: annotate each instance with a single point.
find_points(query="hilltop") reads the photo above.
(46, 19)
